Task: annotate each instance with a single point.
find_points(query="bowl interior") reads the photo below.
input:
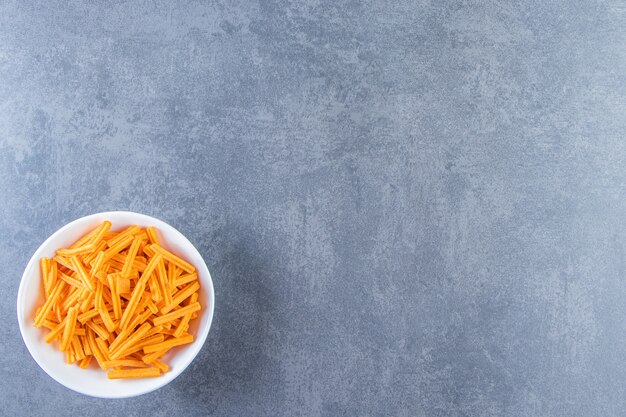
(93, 381)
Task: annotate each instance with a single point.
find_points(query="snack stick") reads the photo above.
(164, 286)
(81, 250)
(82, 274)
(70, 325)
(44, 269)
(117, 247)
(82, 318)
(168, 344)
(97, 264)
(102, 230)
(128, 232)
(139, 263)
(152, 234)
(184, 322)
(132, 363)
(151, 357)
(181, 295)
(50, 301)
(54, 333)
(84, 364)
(53, 273)
(137, 347)
(78, 349)
(91, 339)
(130, 257)
(98, 297)
(184, 279)
(117, 306)
(176, 314)
(90, 257)
(99, 330)
(171, 275)
(102, 345)
(122, 284)
(155, 288)
(133, 373)
(182, 264)
(146, 249)
(64, 262)
(87, 302)
(149, 269)
(106, 319)
(88, 236)
(70, 280)
(132, 304)
(163, 367)
(153, 308)
(134, 338)
(85, 344)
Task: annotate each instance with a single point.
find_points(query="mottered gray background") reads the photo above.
(409, 208)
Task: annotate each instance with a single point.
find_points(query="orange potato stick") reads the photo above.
(70, 325)
(54, 333)
(184, 279)
(90, 257)
(137, 347)
(140, 319)
(181, 295)
(99, 330)
(87, 302)
(64, 262)
(152, 234)
(117, 248)
(151, 357)
(106, 319)
(150, 268)
(184, 322)
(168, 344)
(81, 250)
(131, 363)
(176, 314)
(88, 315)
(44, 268)
(128, 232)
(134, 338)
(180, 263)
(130, 258)
(91, 339)
(171, 275)
(117, 306)
(101, 231)
(85, 344)
(133, 373)
(86, 238)
(97, 264)
(161, 365)
(97, 302)
(102, 345)
(84, 364)
(154, 288)
(122, 284)
(164, 285)
(45, 309)
(70, 280)
(78, 349)
(146, 249)
(49, 324)
(138, 263)
(132, 304)
(82, 274)
(152, 307)
(53, 273)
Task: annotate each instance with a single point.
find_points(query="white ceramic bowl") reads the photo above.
(93, 381)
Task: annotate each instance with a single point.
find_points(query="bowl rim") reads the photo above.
(194, 348)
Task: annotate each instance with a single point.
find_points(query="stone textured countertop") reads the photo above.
(409, 208)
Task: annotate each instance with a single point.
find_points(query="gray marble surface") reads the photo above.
(410, 208)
